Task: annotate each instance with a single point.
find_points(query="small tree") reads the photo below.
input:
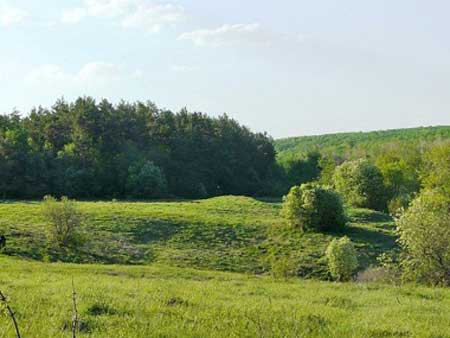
(146, 180)
(424, 235)
(342, 259)
(64, 219)
(313, 207)
(361, 184)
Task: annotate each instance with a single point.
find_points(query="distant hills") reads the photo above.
(342, 143)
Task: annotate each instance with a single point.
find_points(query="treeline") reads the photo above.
(359, 144)
(397, 171)
(88, 149)
(411, 181)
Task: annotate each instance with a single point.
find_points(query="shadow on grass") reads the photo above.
(147, 231)
(368, 216)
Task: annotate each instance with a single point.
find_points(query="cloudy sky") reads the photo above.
(286, 67)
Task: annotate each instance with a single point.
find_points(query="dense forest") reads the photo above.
(360, 143)
(88, 149)
(406, 159)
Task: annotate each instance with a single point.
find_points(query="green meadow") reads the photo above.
(160, 301)
(202, 268)
(231, 233)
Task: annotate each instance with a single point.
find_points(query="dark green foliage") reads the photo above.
(300, 169)
(313, 207)
(146, 181)
(361, 184)
(88, 149)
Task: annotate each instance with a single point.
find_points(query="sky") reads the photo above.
(289, 68)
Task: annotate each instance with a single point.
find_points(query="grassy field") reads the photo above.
(141, 280)
(231, 233)
(159, 301)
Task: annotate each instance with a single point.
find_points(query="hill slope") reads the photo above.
(228, 233)
(340, 143)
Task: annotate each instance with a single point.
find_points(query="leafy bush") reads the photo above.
(146, 181)
(361, 184)
(64, 220)
(313, 207)
(436, 168)
(283, 268)
(342, 259)
(424, 235)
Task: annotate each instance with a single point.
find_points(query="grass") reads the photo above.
(160, 301)
(141, 281)
(231, 233)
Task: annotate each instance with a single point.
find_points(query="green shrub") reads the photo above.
(64, 221)
(342, 259)
(146, 181)
(361, 184)
(283, 268)
(424, 235)
(313, 207)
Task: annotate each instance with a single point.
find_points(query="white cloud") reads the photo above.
(93, 73)
(130, 13)
(52, 74)
(10, 15)
(229, 35)
(137, 74)
(153, 18)
(98, 72)
(183, 68)
(73, 15)
(109, 8)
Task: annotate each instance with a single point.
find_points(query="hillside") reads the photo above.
(340, 143)
(158, 301)
(230, 233)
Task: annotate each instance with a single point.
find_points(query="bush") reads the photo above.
(146, 181)
(342, 259)
(424, 236)
(361, 184)
(64, 219)
(283, 268)
(313, 207)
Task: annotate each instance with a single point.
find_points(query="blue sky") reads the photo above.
(285, 67)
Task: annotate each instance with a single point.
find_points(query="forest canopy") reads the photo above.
(87, 149)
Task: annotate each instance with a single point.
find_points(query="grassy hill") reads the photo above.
(159, 301)
(231, 233)
(340, 143)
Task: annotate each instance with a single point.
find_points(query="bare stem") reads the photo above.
(11, 313)
(75, 319)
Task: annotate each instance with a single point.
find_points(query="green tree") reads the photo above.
(361, 184)
(424, 235)
(146, 181)
(435, 173)
(342, 259)
(313, 207)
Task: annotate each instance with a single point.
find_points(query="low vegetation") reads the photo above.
(159, 301)
(230, 233)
